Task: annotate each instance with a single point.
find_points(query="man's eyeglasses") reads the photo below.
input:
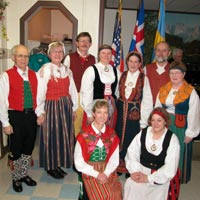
(22, 56)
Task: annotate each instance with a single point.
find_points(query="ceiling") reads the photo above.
(188, 6)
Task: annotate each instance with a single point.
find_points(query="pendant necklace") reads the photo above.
(106, 69)
(153, 147)
(130, 84)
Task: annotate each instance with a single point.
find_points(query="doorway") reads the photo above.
(48, 21)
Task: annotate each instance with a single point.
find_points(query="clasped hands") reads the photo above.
(139, 177)
(102, 178)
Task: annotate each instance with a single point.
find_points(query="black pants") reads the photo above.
(22, 140)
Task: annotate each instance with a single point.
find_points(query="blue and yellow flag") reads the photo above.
(160, 33)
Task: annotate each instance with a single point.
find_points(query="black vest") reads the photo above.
(149, 160)
(99, 87)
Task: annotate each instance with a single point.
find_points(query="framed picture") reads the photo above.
(182, 31)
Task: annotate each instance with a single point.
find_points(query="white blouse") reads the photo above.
(87, 89)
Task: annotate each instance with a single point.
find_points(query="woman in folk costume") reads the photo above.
(100, 81)
(152, 161)
(134, 105)
(60, 101)
(97, 157)
(182, 102)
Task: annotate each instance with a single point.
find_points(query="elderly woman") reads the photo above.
(97, 156)
(152, 160)
(59, 99)
(134, 104)
(182, 102)
(100, 81)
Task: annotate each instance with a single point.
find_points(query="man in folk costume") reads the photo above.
(97, 157)
(78, 62)
(158, 72)
(19, 86)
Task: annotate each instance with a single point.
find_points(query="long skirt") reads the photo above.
(126, 130)
(112, 190)
(185, 162)
(57, 135)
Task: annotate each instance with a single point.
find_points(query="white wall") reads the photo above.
(86, 12)
(128, 24)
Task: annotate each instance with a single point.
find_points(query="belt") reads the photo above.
(27, 110)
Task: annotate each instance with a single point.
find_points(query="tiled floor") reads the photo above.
(67, 188)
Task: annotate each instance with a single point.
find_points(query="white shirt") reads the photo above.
(87, 89)
(160, 69)
(46, 72)
(193, 116)
(87, 169)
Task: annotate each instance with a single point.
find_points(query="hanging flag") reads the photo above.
(160, 33)
(137, 42)
(117, 48)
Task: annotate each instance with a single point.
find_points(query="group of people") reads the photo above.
(119, 121)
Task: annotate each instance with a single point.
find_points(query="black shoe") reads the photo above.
(29, 181)
(55, 174)
(17, 186)
(61, 171)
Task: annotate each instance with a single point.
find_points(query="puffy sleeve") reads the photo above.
(132, 158)
(4, 92)
(86, 91)
(193, 117)
(146, 104)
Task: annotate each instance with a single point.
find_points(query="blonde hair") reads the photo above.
(99, 103)
(55, 45)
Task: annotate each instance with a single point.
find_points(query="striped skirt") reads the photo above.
(112, 190)
(57, 135)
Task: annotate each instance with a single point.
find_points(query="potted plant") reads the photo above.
(3, 5)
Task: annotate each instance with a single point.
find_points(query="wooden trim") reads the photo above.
(101, 21)
(47, 4)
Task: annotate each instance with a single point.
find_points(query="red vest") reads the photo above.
(57, 88)
(156, 81)
(16, 93)
(78, 67)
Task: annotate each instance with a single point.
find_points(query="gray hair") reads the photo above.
(174, 52)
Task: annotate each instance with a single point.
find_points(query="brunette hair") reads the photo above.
(134, 53)
(84, 34)
(162, 112)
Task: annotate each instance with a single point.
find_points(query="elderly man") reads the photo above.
(18, 93)
(158, 72)
(177, 55)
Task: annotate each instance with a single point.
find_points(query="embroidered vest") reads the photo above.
(16, 83)
(57, 88)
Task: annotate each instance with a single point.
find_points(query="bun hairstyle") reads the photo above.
(55, 45)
